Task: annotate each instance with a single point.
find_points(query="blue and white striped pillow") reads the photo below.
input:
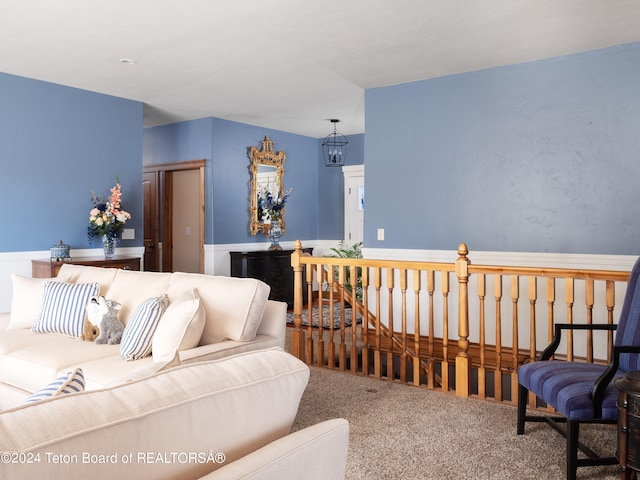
(63, 307)
(72, 382)
(137, 337)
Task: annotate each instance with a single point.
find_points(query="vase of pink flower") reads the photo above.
(107, 219)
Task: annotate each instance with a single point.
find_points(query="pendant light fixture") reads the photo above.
(334, 147)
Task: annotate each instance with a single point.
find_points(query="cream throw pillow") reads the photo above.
(26, 301)
(180, 327)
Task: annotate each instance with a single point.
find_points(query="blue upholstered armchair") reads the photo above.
(583, 392)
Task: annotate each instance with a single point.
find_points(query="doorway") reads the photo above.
(173, 203)
(353, 204)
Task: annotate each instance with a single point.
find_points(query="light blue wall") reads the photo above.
(331, 190)
(56, 145)
(539, 157)
(225, 145)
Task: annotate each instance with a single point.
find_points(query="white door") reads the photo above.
(353, 204)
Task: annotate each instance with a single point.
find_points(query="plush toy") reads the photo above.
(92, 321)
(90, 331)
(111, 328)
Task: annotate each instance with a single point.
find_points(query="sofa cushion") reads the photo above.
(71, 273)
(180, 327)
(130, 289)
(64, 307)
(71, 382)
(26, 301)
(233, 306)
(32, 366)
(137, 337)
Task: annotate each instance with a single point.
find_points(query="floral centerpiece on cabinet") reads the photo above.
(270, 210)
(107, 219)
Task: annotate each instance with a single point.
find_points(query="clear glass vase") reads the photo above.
(109, 246)
(274, 234)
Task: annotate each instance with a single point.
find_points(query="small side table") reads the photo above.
(628, 452)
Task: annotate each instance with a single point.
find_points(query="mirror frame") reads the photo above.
(264, 156)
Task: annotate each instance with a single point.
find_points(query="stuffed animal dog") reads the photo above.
(105, 312)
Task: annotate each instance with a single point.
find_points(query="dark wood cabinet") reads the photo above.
(628, 451)
(272, 267)
(47, 268)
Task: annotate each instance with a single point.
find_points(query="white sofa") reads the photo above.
(238, 317)
(220, 419)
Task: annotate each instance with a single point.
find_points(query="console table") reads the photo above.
(272, 267)
(46, 268)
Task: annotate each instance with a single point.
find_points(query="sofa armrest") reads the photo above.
(318, 452)
(274, 320)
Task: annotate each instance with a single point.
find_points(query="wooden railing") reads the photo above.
(447, 326)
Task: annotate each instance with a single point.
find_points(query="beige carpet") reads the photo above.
(404, 432)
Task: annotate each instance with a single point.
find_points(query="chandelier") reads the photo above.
(334, 147)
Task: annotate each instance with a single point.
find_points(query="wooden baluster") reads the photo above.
(431, 360)
(515, 345)
(309, 270)
(445, 331)
(365, 321)
(390, 286)
(569, 299)
(482, 373)
(377, 359)
(331, 349)
(353, 356)
(323, 275)
(463, 360)
(297, 336)
(551, 300)
(611, 300)
(403, 354)
(589, 300)
(497, 379)
(416, 327)
(533, 297)
(343, 346)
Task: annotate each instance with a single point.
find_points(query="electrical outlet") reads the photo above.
(381, 234)
(128, 234)
(187, 231)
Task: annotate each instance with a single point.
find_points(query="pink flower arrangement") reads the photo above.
(107, 217)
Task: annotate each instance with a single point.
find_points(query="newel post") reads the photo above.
(463, 361)
(297, 336)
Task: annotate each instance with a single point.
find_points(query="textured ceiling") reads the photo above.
(288, 64)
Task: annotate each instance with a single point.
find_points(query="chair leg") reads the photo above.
(522, 408)
(573, 429)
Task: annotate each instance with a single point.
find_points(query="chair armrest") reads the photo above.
(557, 336)
(601, 384)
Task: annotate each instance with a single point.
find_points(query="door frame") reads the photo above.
(350, 171)
(164, 174)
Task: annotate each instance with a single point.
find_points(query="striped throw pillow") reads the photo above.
(63, 307)
(137, 337)
(72, 382)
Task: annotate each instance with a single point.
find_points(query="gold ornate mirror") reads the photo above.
(267, 172)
